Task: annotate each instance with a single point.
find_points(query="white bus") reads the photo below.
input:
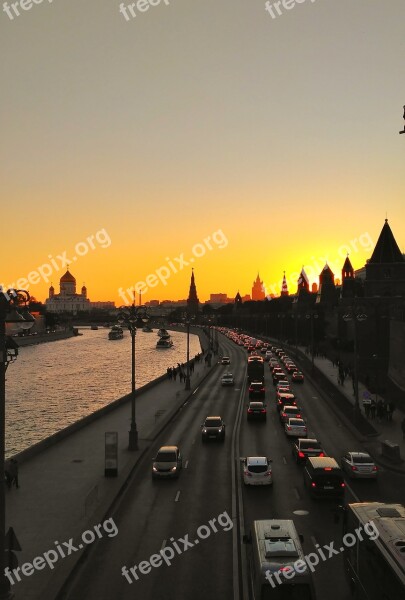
(376, 567)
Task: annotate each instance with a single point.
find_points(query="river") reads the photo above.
(54, 384)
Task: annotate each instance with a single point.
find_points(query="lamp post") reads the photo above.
(312, 315)
(355, 317)
(13, 310)
(187, 321)
(129, 317)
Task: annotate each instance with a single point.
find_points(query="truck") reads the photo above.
(255, 368)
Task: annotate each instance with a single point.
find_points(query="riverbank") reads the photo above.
(41, 338)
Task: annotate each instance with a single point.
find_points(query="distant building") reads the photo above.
(102, 305)
(152, 303)
(67, 300)
(258, 292)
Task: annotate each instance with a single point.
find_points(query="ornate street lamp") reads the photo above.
(131, 317)
(188, 320)
(351, 315)
(312, 315)
(13, 312)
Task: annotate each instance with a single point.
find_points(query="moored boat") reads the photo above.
(162, 332)
(164, 342)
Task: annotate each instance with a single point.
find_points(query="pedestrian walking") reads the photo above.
(391, 408)
(7, 474)
(367, 406)
(403, 428)
(169, 372)
(174, 373)
(372, 409)
(13, 471)
(380, 411)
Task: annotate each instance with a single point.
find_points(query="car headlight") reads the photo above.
(173, 469)
(204, 430)
(154, 469)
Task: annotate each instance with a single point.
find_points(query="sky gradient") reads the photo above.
(194, 118)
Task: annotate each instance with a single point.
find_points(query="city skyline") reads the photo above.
(275, 133)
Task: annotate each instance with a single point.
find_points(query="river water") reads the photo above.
(54, 384)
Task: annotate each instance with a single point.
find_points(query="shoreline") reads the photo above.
(42, 338)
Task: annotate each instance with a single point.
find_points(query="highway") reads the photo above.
(157, 514)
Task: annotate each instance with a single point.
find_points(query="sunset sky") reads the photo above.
(278, 138)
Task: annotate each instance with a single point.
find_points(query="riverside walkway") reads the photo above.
(63, 491)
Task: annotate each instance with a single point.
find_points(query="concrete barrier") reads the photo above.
(391, 451)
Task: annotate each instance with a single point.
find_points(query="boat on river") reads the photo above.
(165, 341)
(116, 333)
(162, 332)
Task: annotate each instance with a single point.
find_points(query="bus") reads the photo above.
(273, 553)
(375, 565)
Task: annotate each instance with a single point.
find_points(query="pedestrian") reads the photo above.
(391, 408)
(169, 372)
(7, 473)
(367, 406)
(403, 428)
(372, 409)
(174, 373)
(181, 376)
(380, 410)
(13, 470)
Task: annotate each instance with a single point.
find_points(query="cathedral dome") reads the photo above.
(67, 278)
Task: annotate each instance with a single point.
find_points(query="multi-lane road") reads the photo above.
(199, 518)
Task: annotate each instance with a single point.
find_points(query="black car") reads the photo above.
(256, 410)
(256, 390)
(303, 448)
(213, 428)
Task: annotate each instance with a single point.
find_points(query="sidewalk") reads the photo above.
(63, 491)
(386, 430)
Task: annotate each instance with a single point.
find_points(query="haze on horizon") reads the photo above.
(195, 118)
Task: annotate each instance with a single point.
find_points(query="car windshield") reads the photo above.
(166, 457)
(257, 468)
(213, 423)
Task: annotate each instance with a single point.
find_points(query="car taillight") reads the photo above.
(283, 414)
(250, 410)
(343, 485)
(248, 473)
(354, 468)
(298, 416)
(262, 389)
(305, 428)
(374, 468)
(267, 474)
(321, 454)
(301, 454)
(313, 484)
(263, 410)
(288, 427)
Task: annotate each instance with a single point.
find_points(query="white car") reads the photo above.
(257, 471)
(296, 428)
(359, 465)
(226, 360)
(227, 379)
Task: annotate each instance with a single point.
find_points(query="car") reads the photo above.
(213, 428)
(287, 412)
(257, 470)
(298, 377)
(304, 448)
(225, 360)
(359, 465)
(324, 478)
(256, 410)
(227, 379)
(283, 386)
(279, 376)
(295, 428)
(283, 398)
(167, 462)
(256, 390)
(291, 367)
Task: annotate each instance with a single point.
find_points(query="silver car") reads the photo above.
(257, 471)
(167, 462)
(296, 428)
(359, 465)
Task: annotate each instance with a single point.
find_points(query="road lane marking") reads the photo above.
(186, 465)
(177, 496)
(195, 391)
(352, 492)
(297, 493)
(284, 460)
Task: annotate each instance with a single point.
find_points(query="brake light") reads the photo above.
(298, 416)
(289, 428)
(313, 484)
(343, 485)
(283, 414)
(248, 474)
(267, 474)
(250, 410)
(354, 468)
(301, 454)
(263, 410)
(374, 468)
(327, 468)
(321, 454)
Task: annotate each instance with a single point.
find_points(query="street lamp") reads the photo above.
(188, 319)
(13, 311)
(312, 315)
(129, 317)
(355, 317)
